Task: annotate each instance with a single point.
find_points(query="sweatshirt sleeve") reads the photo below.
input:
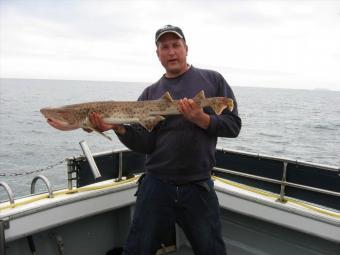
(136, 137)
(228, 124)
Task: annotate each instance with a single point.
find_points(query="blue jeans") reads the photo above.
(194, 207)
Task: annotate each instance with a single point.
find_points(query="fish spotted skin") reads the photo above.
(147, 113)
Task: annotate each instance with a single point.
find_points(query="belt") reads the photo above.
(181, 183)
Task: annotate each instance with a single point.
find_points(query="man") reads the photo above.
(177, 187)
(180, 155)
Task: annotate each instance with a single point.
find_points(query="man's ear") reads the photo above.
(157, 52)
(187, 48)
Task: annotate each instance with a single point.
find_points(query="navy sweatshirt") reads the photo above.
(177, 149)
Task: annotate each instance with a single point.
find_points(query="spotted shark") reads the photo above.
(146, 113)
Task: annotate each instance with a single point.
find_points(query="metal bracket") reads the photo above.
(5, 223)
(70, 171)
(59, 241)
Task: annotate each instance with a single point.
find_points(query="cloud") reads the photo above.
(253, 42)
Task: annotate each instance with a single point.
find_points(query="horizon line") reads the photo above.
(146, 82)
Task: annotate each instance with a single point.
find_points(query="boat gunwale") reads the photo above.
(282, 206)
(73, 197)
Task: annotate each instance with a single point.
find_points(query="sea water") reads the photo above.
(297, 124)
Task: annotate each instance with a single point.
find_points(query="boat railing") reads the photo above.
(281, 159)
(47, 183)
(8, 191)
(315, 183)
(83, 170)
(282, 182)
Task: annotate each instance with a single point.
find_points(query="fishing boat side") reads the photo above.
(266, 208)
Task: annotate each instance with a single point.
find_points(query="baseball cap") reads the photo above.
(169, 29)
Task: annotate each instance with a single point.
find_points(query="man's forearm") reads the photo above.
(137, 138)
(203, 121)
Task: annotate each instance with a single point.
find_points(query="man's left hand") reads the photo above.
(194, 113)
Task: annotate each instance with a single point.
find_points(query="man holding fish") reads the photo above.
(180, 152)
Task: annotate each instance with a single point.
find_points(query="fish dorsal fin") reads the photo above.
(167, 97)
(199, 96)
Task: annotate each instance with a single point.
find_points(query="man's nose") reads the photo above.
(171, 51)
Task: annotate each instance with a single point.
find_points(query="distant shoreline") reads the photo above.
(149, 83)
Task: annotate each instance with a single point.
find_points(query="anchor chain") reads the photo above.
(8, 174)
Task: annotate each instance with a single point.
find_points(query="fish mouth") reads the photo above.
(48, 113)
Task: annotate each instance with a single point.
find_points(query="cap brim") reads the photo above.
(170, 31)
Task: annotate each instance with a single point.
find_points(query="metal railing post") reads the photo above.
(283, 183)
(120, 166)
(90, 159)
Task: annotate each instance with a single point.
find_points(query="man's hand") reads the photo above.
(98, 124)
(193, 112)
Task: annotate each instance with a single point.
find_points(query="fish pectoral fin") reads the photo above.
(218, 108)
(87, 125)
(167, 97)
(101, 133)
(150, 122)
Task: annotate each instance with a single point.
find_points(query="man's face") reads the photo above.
(172, 53)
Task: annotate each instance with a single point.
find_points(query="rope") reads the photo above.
(24, 173)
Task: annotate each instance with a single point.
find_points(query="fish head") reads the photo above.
(60, 115)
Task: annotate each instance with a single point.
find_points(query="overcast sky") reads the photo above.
(286, 44)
